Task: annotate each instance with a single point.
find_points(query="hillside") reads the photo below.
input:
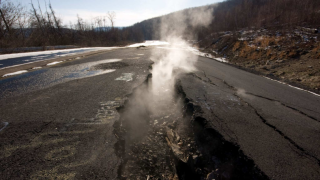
(275, 38)
(234, 15)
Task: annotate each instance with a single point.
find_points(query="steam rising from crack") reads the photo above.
(178, 23)
(156, 102)
(171, 63)
(158, 98)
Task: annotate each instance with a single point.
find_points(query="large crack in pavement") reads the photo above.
(302, 150)
(218, 110)
(220, 158)
(141, 137)
(285, 105)
(174, 143)
(264, 120)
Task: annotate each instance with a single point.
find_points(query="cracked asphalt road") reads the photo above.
(275, 125)
(64, 129)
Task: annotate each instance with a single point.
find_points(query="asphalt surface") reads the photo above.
(15, 59)
(57, 122)
(275, 125)
(66, 131)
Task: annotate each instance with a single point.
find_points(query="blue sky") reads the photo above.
(127, 12)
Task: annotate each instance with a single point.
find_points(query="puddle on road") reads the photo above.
(46, 77)
(84, 73)
(110, 65)
(125, 77)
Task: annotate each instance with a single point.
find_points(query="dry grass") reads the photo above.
(245, 50)
(316, 51)
(265, 41)
(236, 46)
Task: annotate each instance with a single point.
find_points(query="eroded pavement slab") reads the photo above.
(281, 141)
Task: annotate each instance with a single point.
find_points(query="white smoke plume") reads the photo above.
(173, 61)
(158, 98)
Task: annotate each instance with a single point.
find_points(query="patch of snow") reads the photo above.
(125, 77)
(15, 73)
(42, 54)
(294, 87)
(37, 68)
(221, 60)
(243, 39)
(54, 63)
(246, 32)
(149, 43)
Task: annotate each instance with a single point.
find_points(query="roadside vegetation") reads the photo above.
(37, 27)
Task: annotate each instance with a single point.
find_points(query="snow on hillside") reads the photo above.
(149, 43)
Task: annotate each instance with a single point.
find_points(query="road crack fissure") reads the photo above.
(302, 150)
(287, 138)
(290, 107)
(216, 151)
(220, 121)
(164, 150)
(206, 81)
(205, 75)
(274, 127)
(270, 99)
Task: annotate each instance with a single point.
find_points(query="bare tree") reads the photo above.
(111, 16)
(80, 23)
(56, 20)
(35, 13)
(4, 19)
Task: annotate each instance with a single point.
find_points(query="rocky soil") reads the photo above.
(291, 56)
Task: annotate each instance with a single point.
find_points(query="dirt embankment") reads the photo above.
(292, 56)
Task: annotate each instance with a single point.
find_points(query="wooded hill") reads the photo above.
(233, 15)
(21, 27)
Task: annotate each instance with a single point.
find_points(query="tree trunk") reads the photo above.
(5, 22)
